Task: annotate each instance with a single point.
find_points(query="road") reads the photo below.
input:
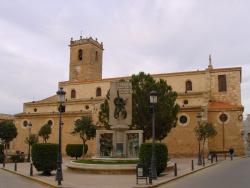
(9, 180)
(229, 174)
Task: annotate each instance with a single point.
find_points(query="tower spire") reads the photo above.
(210, 66)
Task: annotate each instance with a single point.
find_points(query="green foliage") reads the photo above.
(44, 132)
(166, 108)
(1, 153)
(1, 158)
(18, 158)
(1, 148)
(104, 112)
(106, 162)
(44, 157)
(31, 139)
(161, 154)
(75, 150)
(203, 132)
(85, 129)
(8, 131)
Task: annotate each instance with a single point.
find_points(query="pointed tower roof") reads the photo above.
(210, 66)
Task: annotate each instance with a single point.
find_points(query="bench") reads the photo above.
(224, 153)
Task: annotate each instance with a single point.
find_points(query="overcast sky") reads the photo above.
(153, 36)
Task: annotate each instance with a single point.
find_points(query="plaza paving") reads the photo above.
(229, 174)
(9, 180)
(79, 179)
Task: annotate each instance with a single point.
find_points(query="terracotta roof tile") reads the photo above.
(222, 105)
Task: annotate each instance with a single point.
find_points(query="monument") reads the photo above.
(119, 141)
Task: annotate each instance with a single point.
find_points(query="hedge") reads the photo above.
(75, 150)
(18, 158)
(44, 157)
(161, 155)
(1, 153)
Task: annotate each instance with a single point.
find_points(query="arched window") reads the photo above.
(73, 94)
(98, 92)
(188, 85)
(80, 54)
(96, 56)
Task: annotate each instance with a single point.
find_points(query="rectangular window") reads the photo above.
(222, 83)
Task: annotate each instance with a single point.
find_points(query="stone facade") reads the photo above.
(246, 134)
(85, 78)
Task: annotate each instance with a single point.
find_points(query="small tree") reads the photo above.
(8, 132)
(44, 132)
(209, 132)
(85, 129)
(30, 140)
(204, 131)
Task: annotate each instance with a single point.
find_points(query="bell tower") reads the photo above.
(85, 59)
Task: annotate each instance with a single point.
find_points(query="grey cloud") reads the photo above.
(152, 36)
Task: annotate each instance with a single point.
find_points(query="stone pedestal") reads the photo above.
(125, 143)
(119, 141)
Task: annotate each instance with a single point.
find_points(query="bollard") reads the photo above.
(31, 169)
(4, 162)
(216, 159)
(15, 167)
(175, 169)
(212, 159)
(150, 176)
(192, 165)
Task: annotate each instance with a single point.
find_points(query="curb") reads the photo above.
(175, 178)
(183, 175)
(33, 179)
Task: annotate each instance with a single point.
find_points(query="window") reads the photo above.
(80, 54)
(73, 94)
(188, 85)
(98, 92)
(183, 119)
(96, 56)
(222, 83)
(25, 123)
(185, 102)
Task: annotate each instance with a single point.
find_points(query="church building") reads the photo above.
(213, 93)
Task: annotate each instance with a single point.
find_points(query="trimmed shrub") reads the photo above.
(1, 158)
(1, 148)
(44, 157)
(75, 150)
(161, 155)
(1, 153)
(18, 158)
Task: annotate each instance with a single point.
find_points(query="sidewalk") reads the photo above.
(79, 179)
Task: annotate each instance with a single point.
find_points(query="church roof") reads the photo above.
(46, 100)
(223, 106)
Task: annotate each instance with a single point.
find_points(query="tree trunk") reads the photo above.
(203, 144)
(83, 148)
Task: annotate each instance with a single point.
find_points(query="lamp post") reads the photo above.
(29, 127)
(198, 117)
(61, 100)
(153, 102)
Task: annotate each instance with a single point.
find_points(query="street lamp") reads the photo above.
(199, 118)
(29, 127)
(153, 102)
(61, 100)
